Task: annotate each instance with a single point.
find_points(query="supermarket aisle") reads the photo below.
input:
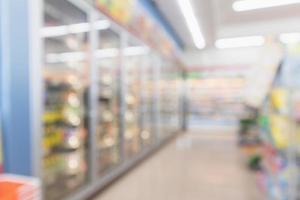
(203, 164)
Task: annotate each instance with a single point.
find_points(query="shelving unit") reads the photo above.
(279, 133)
(96, 89)
(216, 94)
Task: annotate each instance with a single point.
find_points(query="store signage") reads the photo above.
(131, 15)
(119, 10)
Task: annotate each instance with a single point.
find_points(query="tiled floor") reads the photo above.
(202, 165)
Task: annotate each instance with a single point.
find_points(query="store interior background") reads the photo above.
(196, 99)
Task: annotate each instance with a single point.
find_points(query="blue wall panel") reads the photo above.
(1, 13)
(15, 87)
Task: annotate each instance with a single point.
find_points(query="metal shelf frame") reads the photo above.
(22, 93)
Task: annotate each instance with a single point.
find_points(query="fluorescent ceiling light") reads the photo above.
(289, 38)
(192, 23)
(56, 31)
(240, 42)
(245, 5)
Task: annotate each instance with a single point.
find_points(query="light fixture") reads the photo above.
(245, 5)
(129, 51)
(192, 23)
(101, 25)
(57, 31)
(136, 51)
(240, 42)
(107, 53)
(289, 38)
(53, 58)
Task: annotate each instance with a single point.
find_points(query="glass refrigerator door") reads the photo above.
(169, 99)
(108, 132)
(176, 86)
(148, 129)
(66, 81)
(134, 56)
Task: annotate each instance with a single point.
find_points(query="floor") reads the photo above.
(202, 164)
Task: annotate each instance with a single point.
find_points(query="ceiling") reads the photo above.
(218, 20)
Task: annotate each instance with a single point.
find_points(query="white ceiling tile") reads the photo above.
(217, 19)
